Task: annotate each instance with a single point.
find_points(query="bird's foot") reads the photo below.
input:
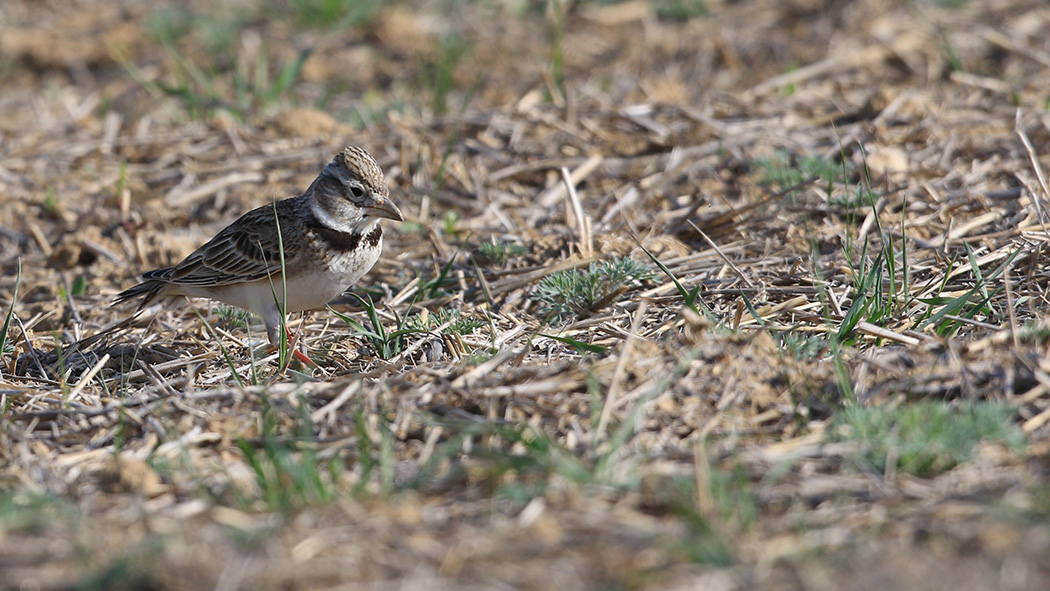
(296, 353)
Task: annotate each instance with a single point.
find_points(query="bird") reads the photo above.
(330, 237)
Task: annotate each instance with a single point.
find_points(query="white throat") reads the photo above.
(339, 225)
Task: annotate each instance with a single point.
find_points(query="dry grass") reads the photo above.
(835, 210)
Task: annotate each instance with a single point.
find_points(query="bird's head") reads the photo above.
(351, 190)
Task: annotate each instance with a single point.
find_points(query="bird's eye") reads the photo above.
(357, 192)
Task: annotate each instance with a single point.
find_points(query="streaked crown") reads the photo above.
(350, 194)
(358, 173)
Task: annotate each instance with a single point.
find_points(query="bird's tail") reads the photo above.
(149, 289)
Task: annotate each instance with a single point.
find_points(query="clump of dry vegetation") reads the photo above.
(754, 299)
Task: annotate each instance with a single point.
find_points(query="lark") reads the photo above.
(330, 237)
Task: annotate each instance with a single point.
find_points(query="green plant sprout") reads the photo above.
(563, 295)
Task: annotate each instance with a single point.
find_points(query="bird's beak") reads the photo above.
(384, 208)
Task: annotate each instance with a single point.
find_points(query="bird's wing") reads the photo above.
(247, 250)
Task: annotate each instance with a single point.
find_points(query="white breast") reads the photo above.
(316, 285)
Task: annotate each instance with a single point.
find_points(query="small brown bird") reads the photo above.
(330, 236)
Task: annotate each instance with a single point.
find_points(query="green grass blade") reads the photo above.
(283, 327)
(287, 76)
(751, 309)
(222, 349)
(958, 302)
(11, 309)
(357, 326)
(691, 297)
(580, 346)
(861, 300)
(431, 287)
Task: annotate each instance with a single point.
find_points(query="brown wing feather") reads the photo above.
(246, 250)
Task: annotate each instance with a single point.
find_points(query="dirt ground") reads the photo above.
(811, 354)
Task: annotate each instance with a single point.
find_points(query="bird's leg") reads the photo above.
(272, 319)
(293, 344)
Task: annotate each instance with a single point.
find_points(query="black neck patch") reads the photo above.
(346, 241)
(374, 236)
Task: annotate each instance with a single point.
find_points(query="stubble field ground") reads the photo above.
(712, 295)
